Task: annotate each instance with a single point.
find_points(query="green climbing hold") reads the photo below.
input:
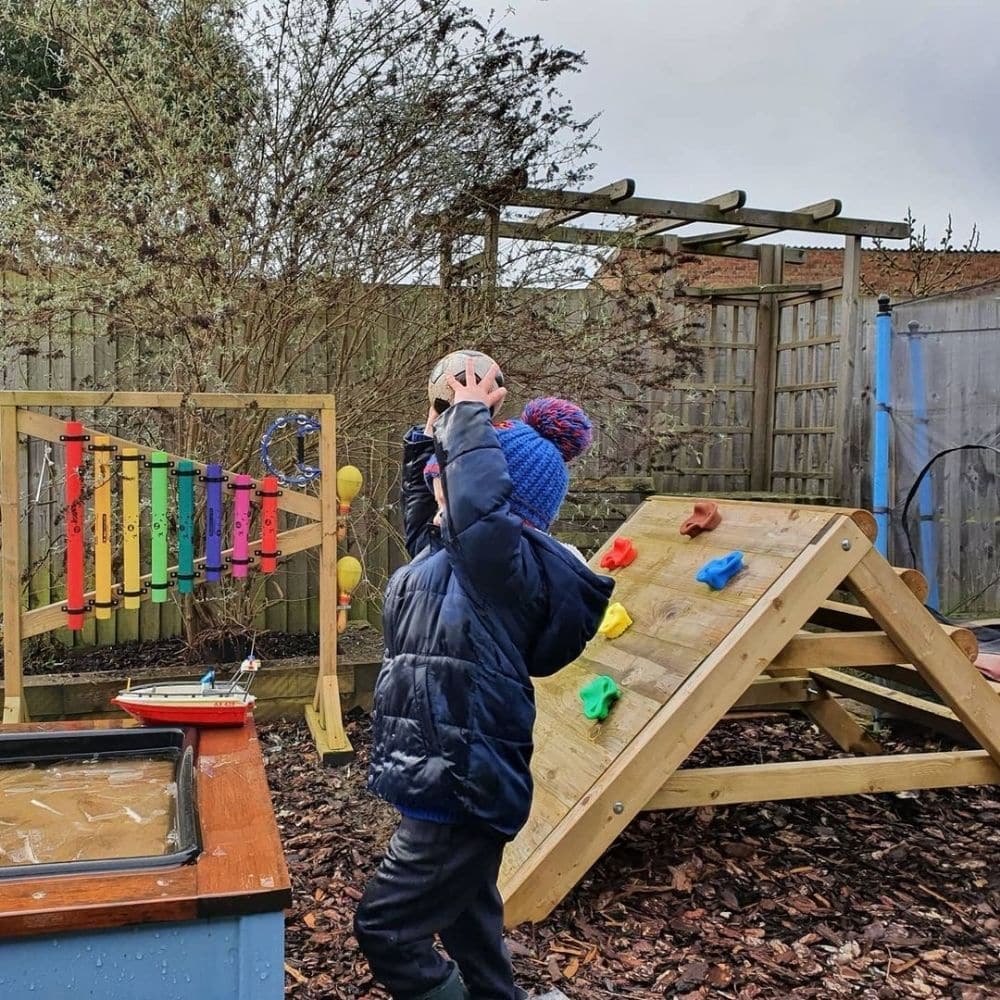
(598, 696)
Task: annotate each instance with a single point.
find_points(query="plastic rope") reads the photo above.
(303, 425)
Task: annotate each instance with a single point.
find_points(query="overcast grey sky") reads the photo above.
(881, 103)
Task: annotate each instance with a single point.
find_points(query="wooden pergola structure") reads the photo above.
(656, 225)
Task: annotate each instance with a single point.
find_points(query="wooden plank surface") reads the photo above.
(803, 779)
(240, 870)
(657, 733)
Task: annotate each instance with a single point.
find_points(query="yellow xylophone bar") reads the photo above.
(132, 588)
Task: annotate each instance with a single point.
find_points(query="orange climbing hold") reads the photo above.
(622, 553)
(706, 516)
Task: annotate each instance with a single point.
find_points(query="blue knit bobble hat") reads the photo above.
(550, 433)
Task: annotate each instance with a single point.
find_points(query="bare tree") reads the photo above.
(226, 189)
(922, 268)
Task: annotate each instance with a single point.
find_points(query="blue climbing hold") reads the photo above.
(718, 572)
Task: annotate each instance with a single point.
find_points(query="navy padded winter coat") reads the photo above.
(486, 604)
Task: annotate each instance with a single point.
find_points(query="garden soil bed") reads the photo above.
(870, 896)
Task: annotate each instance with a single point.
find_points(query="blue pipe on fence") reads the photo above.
(880, 447)
(925, 495)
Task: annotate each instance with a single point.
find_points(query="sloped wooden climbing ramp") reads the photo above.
(694, 654)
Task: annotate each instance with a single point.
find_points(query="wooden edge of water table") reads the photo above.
(241, 869)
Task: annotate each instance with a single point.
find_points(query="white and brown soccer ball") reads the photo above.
(440, 394)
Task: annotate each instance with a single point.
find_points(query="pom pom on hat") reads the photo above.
(561, 422)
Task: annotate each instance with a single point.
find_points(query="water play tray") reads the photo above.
(96, 800)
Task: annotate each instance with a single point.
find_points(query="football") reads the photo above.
(440, 393)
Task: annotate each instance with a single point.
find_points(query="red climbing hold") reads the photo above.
(706, 516)
(622, 553)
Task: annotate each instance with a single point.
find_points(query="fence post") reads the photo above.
(769, 272)
(844, 484)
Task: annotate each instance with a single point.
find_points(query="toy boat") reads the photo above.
(193, 703)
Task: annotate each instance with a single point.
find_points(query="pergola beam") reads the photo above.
(687, 211)
(828, 209)
(724, 202)
(624, 188)
(584, 236)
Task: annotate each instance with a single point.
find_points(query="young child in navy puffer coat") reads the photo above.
(489, 601)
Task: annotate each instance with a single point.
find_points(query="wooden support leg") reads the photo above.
(902, 617)
(834, 720)
(14, 707)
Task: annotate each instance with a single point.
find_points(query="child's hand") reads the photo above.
(483, 391)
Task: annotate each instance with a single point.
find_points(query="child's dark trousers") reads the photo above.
(437, 879)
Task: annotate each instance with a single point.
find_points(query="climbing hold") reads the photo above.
(706, 516)
(616, 620)
(718, 572)
(598, 696)
(622, 553)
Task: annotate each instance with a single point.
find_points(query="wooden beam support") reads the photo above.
(903, 617)
(921, 711)
(326, 723)
(845, 479)
(571, 235)
(833, 719)
(724, 202)
(616, 191)
(850, 649)
(769, 272)
(724, 786)
(167, 400)
(690, 211)
(14, 706)
(770, 692)
(755, 290)
(821, 210)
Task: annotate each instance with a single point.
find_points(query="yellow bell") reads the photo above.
(349, 482)
(616, 620)
(349, 574)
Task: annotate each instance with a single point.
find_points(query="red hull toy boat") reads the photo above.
(192, 703)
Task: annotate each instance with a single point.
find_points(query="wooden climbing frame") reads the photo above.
(694, 655)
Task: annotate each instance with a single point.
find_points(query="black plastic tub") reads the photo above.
(177, 745)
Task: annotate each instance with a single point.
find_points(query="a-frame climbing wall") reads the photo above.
(693, 654)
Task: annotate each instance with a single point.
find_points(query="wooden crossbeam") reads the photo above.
(821, 210)
(833, 719)
(929, 714)
(616, 191)
(166, 400)
(688, 211)
(753, 291)
(49, 429)
(804, 779)
(724, 202)
(857, 649)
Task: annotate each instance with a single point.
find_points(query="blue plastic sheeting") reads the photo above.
(238, 958)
